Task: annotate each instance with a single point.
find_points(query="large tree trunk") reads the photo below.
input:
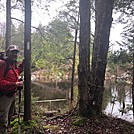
(103, 20)
(84, 56)
(133, 79)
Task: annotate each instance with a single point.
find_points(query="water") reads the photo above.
(51, 97)
(117, 98)
(116, 112)
(120, 101)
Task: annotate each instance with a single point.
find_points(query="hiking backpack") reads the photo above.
(3, 57)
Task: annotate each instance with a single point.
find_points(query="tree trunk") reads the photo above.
(8, 23)
(27, 62)
(103, 20)
(133, 78)
(84, 56)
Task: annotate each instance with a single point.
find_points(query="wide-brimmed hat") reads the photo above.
(12, 48)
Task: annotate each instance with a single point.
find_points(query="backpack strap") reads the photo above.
(6, 69)
(2, 55)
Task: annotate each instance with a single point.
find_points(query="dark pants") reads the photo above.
(5, 104)
(11, 112)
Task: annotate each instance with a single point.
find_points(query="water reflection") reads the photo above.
(48, 91)
(48, 95)
(117, 100)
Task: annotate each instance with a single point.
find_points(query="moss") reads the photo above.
(52, 127)
(78, 121)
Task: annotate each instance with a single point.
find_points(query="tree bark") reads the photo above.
(84, 56)
(133, 78)
(27, 62)
(8, 23)
(103, 20)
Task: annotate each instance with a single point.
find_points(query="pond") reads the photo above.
(51, 96)
(117, 100)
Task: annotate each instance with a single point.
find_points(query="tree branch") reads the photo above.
(31, 26)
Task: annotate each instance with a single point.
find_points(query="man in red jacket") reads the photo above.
(9, 83)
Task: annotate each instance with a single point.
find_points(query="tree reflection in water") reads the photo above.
(117, 100)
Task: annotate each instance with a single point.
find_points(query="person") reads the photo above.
(9, 83)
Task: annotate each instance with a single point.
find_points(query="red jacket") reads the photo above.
(8, 82)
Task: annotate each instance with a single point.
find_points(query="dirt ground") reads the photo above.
(103, 125)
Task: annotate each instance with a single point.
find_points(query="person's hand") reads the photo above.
(19, 84)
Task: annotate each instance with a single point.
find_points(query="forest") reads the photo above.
(74, 51)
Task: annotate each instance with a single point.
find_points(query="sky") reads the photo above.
(116, 30)
(44, 18)
(37, 14)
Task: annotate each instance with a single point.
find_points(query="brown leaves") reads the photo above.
(101, 125)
